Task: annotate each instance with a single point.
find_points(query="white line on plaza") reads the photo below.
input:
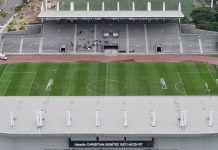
(181, 46)
(146, 38)
(95, 37)
(1, 46)
(75, 39)
(127, 37)
(21, 46)
(40, 45)
(200, 45)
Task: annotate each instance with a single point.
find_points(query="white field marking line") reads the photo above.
(71, 74)
(18, 72)
(96, 93)
(194, 72)
(178, 90)
(106, 79)
(210, 72)
(31, 83)
(182, 83)
(8, 82)
(5, 72)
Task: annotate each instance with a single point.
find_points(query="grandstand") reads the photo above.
(130, 31)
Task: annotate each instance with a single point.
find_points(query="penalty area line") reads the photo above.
(8, 83)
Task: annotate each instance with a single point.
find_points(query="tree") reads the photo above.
(203, 14)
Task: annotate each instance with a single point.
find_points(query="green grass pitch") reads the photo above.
(187, 5)
(115, 78)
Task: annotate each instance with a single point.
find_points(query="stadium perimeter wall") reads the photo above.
(191, 29)
(33, 29)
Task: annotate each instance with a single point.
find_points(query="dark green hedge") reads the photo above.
(206, 18)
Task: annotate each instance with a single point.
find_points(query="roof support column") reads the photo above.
(42, 7)
(72, 6)
(87, 6)
(149, 6)
(57, 6)
(179, 7)
(46, 5)
(133, 6)
(102, 6)
(118, 6)
(211, 5)
(164, 6)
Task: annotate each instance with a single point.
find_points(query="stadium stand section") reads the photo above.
(55, 35)
(164, 35)
(124, 31)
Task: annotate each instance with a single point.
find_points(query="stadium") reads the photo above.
(111, 75)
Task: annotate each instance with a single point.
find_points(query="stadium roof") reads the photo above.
(110, 14)
(109, 115)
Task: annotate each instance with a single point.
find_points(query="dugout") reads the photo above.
(111, 46)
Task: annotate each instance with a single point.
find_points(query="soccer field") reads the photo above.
(187, 5)
(124, 78)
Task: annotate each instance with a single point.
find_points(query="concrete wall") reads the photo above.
(191, 29)
(61, 143)
(33, 29)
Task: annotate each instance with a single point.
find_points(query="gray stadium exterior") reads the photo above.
(109, 123)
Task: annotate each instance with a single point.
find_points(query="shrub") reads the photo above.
(11, 23)
(203, 14)
(10, 29)
(211, 26)
(22, 28)
(19, 7)
(3, 14)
